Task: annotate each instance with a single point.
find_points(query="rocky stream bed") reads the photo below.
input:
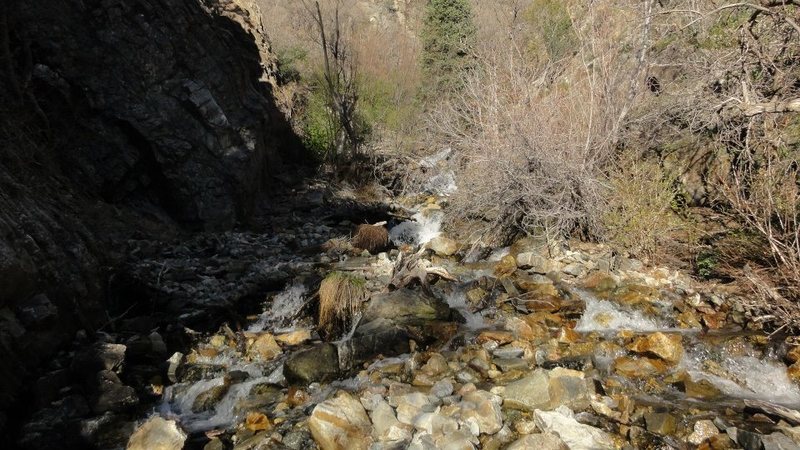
(533, 347)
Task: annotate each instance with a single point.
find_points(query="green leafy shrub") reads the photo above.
(447, 35)
(639, 201)
(553, 26)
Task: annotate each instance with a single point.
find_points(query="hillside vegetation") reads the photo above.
(668, 129)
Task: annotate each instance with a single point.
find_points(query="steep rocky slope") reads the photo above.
(119, 119)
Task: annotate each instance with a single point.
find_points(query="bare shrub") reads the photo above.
(534, 139)
(372, 238)
(724, 111)
(341, 296)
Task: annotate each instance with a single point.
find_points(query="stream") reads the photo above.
(533, 359)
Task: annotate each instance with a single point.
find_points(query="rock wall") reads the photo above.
(119, 118)
(175, 93)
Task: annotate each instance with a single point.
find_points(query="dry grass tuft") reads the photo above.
(372, 238)
(340, 298)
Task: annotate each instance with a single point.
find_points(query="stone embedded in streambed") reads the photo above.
(484, 409)
(295, 337)
(575, 435)
(443, 246)
(529, 393)
(100, 356)
(110, 394)
(539, 442)
(537, 264)
(319, 363)
(405, 307)
(665, 346)
(341, 423)
(265, 347)
(548, 390)
(157, 434)
(639, 367)
(661, 423)
(208, 399)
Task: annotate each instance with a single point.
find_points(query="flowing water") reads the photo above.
(738, 368)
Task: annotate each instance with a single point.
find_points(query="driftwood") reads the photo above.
(413, 269)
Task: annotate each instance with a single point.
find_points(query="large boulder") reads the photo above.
(405, 307)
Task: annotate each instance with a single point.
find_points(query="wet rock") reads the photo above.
(746, 439)
(538, 442)
(173, 364)
(37, 311)
(509, 364)
(257, 421)
(442, 388)
(214, 444)
(385, 423)
(319, 363)
(574, 434)
(405, 307)
(536, 263)
(529, 393)
(208, 399)
(435, 424)
(505, 267)
(111, 394)
(778, 441)
(500, 337)
(265, 347)
(484, 408)
(157, 434)
(702, 389)
(601, 282)
(665, 346)
(664, 424)
(639, 367)
(568, 387)
(703, 430)
(341, 423)
(574, 269)
(410, 405)
(100, 356)
(443, 246)
(107, 431)
(296, 337)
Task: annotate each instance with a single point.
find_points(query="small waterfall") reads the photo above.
(418, 231)
(745, 377)
(224, 414)
(283, 309)
(603, 315)
(457, 299)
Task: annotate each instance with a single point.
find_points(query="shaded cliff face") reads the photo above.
(173, 98)
(118, 118)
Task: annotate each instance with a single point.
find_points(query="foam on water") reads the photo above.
(418, 231)
(179, 405)
(457, 299)
(283, 308)
(603, 315)
(499, 254)
(746, 377)
(442, 184)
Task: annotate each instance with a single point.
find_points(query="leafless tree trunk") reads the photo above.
(340, 77)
